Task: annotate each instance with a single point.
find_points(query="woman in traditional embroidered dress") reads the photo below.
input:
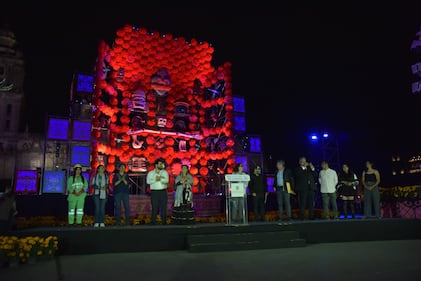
(183, 201)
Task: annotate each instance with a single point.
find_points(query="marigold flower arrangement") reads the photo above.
(50, 221)
(401, 193)
(21, 249)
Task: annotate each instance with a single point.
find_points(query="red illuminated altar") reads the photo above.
(159, 96)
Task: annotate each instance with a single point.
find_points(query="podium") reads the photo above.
(236, 199)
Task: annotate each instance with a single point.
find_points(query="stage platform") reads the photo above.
(221, 237)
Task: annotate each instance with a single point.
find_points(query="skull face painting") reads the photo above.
(161, 122)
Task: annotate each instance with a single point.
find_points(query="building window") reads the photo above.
(9, 110)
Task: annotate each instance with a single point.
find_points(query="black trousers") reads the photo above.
(306, 201)
(259, 206)
(159, 201)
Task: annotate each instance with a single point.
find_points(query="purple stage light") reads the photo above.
(81, 155)
(54, 182)
(81, 131)
(239, 123)
(26, 181)
(238, 104)
(255, 144)
(58, 129)
(85, 83)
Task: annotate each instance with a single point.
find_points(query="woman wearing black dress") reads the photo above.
(347, 189)
(371, 180)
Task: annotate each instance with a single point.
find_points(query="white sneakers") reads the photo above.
(96, 224)
(102, 224)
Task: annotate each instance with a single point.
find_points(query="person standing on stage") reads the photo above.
(328, 179)
(371, 180)
(283, 177)
(183, 201)
(183, 192)
(121, 194)
(347, 189)
(305, 186)
(77, 186)
(100, 183)
(237, 203)
(158, 179)
(258, 189)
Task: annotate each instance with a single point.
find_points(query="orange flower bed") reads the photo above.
(21, 249)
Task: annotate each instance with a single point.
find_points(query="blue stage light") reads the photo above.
(314, 137)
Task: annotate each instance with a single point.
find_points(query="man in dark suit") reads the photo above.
(305, 186)
(283, 178)
(258, 190)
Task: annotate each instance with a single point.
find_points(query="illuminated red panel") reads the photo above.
(159, 96)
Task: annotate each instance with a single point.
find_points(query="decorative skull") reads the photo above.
(139, 101)
(162, 122)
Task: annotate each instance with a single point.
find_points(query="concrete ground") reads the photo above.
(361, 261)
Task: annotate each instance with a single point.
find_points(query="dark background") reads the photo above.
(343, 68)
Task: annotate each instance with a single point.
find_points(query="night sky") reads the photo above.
(344, 69)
